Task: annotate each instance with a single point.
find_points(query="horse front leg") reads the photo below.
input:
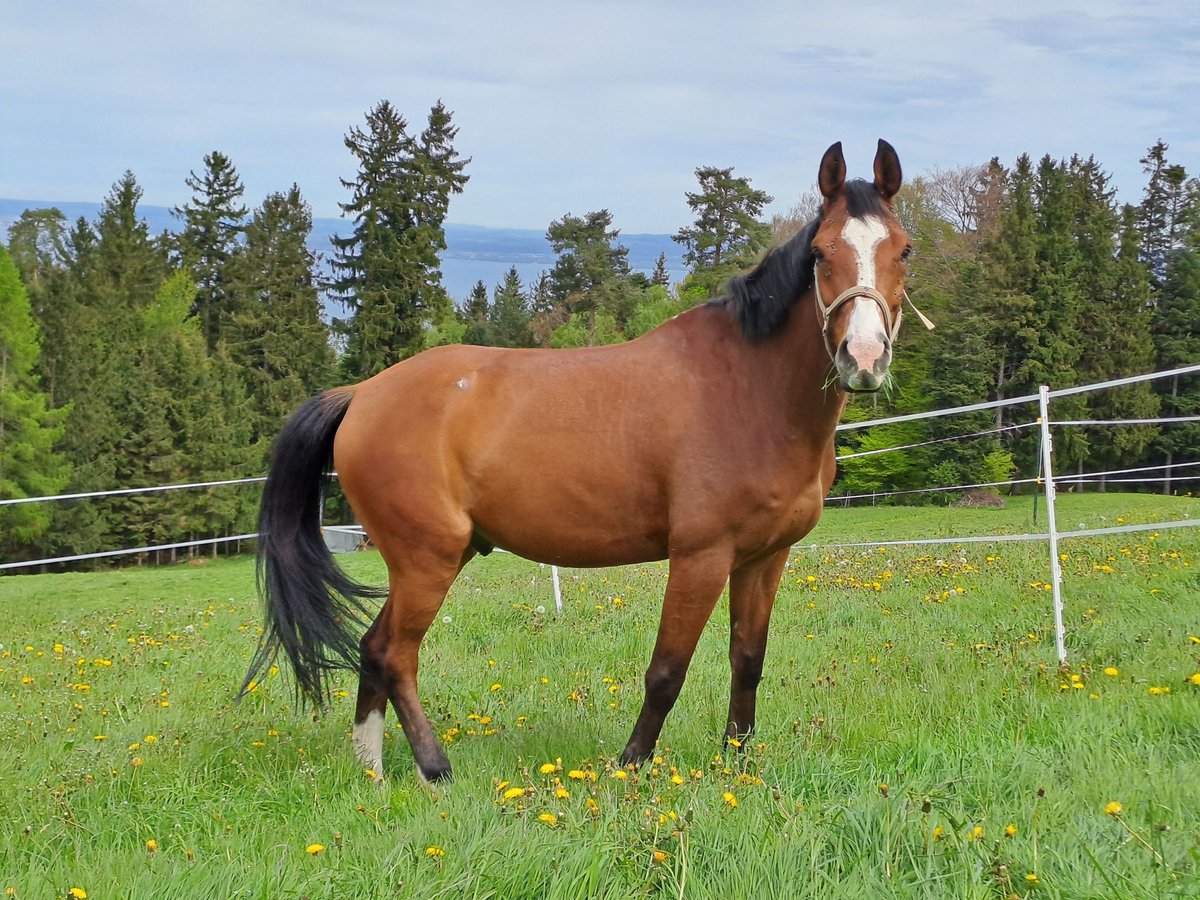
(694, 585)
(752, 590)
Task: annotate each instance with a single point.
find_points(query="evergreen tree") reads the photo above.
(30, 466)
(661, 276)
(37, 242)
(212, 226)
(727, 235)
(1115, 320)
(475, 317)
(388, 272)
(509, 313)
(276, 336)
(1161, 213)
(1176, 328)
(115, 273)
(591, 274)
(1010, 259)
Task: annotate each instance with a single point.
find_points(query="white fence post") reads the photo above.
(557, 591)
(1055, 566)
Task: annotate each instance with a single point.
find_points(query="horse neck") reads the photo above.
(800, 370)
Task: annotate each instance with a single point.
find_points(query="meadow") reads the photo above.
(916, 735)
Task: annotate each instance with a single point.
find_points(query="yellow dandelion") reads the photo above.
(1194, 678)
(434, 852)
(136, 761)
(593, 806)
(1112, 671)
(513, 793)
(1032, 880)
(150, 739)
(369, 773)
(1010, 830)
(549, 818)
(733, 742)
(547, 768)
(152, 846)
(676, 778)
(1113, 809)
(730, 800)
(976, 833)
(495, 687)
(314, 849)
(659, 856)
(938, 833)
(620, 774)
(561, 793)
(77, 893)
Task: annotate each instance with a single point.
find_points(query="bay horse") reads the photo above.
(708, 442)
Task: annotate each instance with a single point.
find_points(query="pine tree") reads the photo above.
(661, 276)
(1009, 255)
(1176, 326)
(509, 313)
(1115, 318)
(727, 235)
(114, 276)
(1161, 213)
(212, 226)
(37, 242)
(276, 336)
(591, 275)
(474, 315)
(388, 271)
(30, 466)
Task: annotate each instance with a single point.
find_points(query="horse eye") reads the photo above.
(817, 255)
(906, 253)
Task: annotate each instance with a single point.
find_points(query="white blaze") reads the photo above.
(866, 327)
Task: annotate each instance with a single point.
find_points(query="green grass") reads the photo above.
(930, 670)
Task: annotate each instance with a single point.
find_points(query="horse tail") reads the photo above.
(312, 606)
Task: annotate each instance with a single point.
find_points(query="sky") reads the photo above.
(571, 107)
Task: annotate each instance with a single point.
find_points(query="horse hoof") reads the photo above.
(435, 775)
(632, 758)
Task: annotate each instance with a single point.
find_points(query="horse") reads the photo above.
(708, 442)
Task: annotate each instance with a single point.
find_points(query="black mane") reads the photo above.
(762, 299)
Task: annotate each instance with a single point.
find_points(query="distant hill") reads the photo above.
(474, 252)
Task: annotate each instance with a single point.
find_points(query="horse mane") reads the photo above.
(762, 299)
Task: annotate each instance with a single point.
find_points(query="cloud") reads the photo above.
(574, 107)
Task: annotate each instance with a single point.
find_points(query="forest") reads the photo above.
(130, 359)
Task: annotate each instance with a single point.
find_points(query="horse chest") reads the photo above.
(783, 516)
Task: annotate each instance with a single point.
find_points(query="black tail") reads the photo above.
(314, 610)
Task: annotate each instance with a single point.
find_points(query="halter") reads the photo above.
(825, 313)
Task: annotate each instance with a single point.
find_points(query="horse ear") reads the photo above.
(832, 175)
(887, 170)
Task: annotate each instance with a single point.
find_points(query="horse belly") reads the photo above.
(571, 511)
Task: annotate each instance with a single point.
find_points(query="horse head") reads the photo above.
(860, 253)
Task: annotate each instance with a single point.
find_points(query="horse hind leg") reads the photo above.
(370, 710)
(389, 660)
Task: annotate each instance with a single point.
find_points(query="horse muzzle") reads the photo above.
(862, 363)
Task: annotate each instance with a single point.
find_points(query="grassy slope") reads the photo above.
(928, 670)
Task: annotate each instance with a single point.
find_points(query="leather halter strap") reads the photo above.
(825, 313)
